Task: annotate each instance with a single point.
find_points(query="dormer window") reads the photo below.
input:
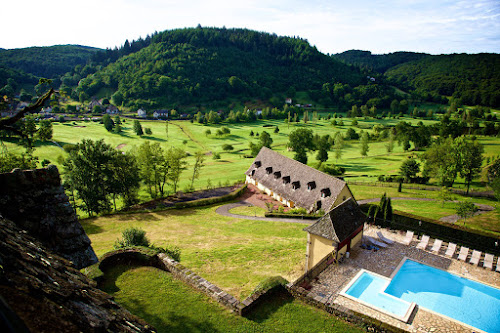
(253, 172)
(269, 170)
(311, 185)
(258, 164)
(325, 192)
(286, 179)
(277, 175)
(296, 185)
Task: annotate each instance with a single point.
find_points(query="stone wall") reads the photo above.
(36, 202)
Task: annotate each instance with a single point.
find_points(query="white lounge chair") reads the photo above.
(488, 261)
(376, 242)
(464, 252)
(408, 237)
(476, 256)
(498, 265)
(384, 239)
(423, 242)
(437, 246)
(450, 251)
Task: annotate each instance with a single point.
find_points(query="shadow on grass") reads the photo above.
(153, 138)
(89, 226)
(269, 306)
(169, 322)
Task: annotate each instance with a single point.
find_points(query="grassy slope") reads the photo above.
(171, 306)
(235, 254)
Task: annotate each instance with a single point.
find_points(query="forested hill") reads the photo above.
(49, 62)
(200, 65)
(377, 62)
(472, 78)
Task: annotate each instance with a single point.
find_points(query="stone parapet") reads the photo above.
(36, 202)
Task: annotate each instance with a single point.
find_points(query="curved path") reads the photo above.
(224, 211)
(482, 208)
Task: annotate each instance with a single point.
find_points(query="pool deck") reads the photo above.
(384, 261)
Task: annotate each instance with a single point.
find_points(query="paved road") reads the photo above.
(224, 210)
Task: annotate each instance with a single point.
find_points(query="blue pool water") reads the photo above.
(369, 288)
(468, 301)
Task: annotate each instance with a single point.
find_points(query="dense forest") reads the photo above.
(214, 67)
(474, 79)
(202, 65)
(48, 62)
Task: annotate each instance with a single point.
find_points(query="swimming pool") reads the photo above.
(467, 301)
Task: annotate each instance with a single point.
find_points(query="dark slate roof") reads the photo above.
(272, 168)
(339, 223)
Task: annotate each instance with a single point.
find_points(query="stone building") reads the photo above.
(295, 184)
(335, 233)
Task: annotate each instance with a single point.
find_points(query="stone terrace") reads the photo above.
(332, 280)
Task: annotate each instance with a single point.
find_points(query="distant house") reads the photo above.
(258, 112)
(92, 104)
(295, 184)
(288, 101)
(141, 113)
(335, 233)
(111, 109)
(163, 114)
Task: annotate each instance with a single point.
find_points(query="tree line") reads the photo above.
(99, 175)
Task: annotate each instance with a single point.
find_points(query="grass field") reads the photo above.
(235, 254)
(171, 306)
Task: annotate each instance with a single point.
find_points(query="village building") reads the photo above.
(160, 114)
(295, 184)
(335, 233)
(141, 113)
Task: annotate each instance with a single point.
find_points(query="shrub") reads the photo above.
(132, 237)
(332, 169)
(148, 131)
(173, 252)
(269, 283)
(216, 155)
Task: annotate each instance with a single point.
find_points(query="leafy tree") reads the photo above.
(445, 195)
(364, 144)
(465, 209)
(409, 168)
(117, 128)
(338, 145)
(208, 132)
(108, 122)
(125, 178)
(45, 130)
(137, 127)
(227, 147)
(148, 131)
(89, 171)
(470, 156)
(153, 167)
(301, 140)
(166, 129)
(198, 164)
(10, 161)
(276, 130)
(265, 139)
(390, 143)
(442, 161)
(176, 163)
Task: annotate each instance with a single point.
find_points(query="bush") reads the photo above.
(132, 237)
(173, 252)
(269, 283)
(332, 169)
(148, 131)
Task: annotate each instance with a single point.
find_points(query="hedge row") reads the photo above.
(194, 203)
(478, 240)
(293, 216)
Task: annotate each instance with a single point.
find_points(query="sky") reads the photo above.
(333, 26)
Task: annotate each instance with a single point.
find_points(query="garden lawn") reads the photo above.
(235, 254)
(248, 211)
(171, 306)
(430, 209)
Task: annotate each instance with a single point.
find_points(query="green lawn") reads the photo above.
(172, 306)
(249, 211)
(431, 209)
(235, 254)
